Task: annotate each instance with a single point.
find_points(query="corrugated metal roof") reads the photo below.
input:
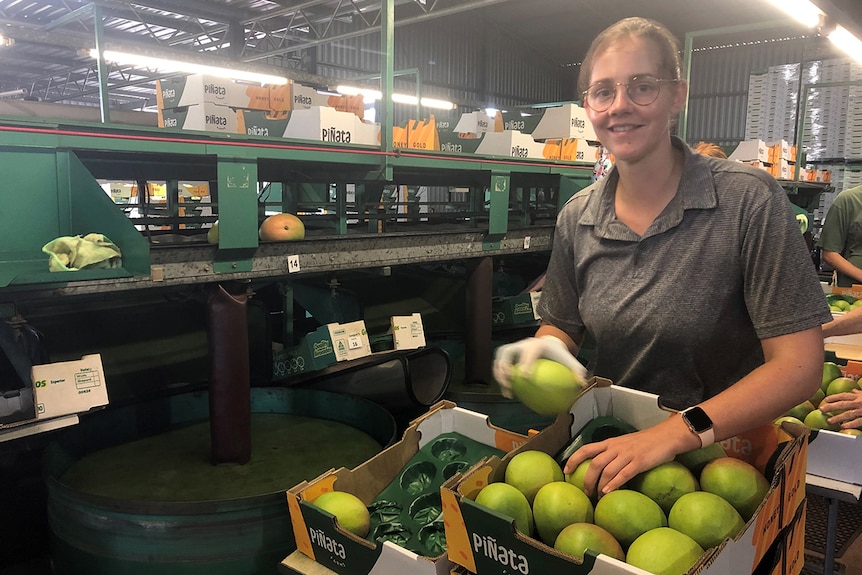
(52, 37)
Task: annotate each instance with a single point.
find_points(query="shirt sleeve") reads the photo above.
(782, 290)
(834, 232)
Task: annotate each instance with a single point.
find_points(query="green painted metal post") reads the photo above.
(237, 201)
(101, 65)
(498, 216)
(387, 83)
(341, 208)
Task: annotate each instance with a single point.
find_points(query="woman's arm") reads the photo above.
(790, 375)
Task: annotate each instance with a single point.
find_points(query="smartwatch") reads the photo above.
(700, 424)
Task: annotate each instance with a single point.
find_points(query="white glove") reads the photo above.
(525, 353)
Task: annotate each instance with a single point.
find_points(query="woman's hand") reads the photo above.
(618, 459)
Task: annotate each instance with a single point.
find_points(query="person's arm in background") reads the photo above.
(847, 408)
(839, 263)
(849, 323)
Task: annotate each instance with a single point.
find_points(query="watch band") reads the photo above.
(700, 424)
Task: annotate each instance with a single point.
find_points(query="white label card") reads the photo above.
(292, 264)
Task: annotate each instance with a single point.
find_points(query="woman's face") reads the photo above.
(631, 131)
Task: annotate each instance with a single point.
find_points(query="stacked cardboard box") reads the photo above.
(206, 103)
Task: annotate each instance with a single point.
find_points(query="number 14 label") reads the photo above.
(292, 264)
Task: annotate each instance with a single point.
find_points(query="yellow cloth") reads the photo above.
(71, 253)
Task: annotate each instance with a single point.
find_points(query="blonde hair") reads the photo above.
(709, 149)
(665, 41)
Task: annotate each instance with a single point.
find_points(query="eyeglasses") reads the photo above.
(642, 90)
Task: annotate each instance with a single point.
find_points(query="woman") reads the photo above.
(689, 271)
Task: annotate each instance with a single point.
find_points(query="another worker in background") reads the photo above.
(841, 237)
(674, 263)
(847, 405)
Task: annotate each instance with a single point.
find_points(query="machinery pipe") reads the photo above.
(230, 387)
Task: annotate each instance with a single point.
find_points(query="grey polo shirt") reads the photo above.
(679, 311)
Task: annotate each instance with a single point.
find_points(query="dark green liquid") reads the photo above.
(175, 466)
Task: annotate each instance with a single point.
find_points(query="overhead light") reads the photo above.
(166, 65)
(845, 40)
(370, 95)
(373, 95)
(803, 11)
(5, 41)
(438, 104)
(405, 99)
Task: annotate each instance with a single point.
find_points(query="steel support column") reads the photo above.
(477, 337)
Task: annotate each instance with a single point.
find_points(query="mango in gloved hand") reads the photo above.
(549, 388)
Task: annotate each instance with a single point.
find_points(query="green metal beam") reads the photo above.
(387, 57)
(102, 66)
(238, 228)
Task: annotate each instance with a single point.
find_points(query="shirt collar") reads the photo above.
(696, 191)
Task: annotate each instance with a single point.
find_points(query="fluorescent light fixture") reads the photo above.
(438, 104)
(491, 112)
(803, 11)
(165, 65)
(405, 99)
(369, 95)
(846, 41)
(373, 95)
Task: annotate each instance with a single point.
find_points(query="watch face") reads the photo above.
(698, 419)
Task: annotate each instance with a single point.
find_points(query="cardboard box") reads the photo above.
(512, 310)
(316, 534)
(751, 150)
(349, 340)
(325, 124)
(200, 88)
(486, 543)
(524, 122)
(566, 121)
(423, 135)
(456, 143)
(578, 150)
(510, 143)
(407, 331)
(303, 97)
(206, 117)
(779, 150)
(535, 296)
(399, 136)
(476, 123)
(314, 352)
(69, 386)
(266, 123)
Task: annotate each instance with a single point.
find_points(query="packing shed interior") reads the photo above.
(152, 334)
